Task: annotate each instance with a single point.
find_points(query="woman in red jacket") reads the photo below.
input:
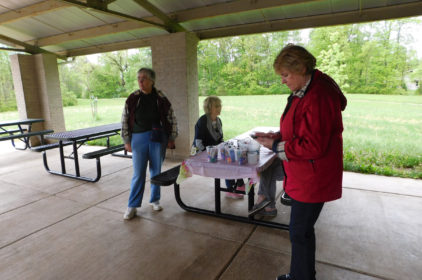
(310, 146)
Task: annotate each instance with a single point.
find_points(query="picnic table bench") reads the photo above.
(21, 133)
(76, 138)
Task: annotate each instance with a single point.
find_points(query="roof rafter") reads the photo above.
(138, 43)
(28, 48)
(89, 33)
(171, 24)
(373, 14)
(185, 15)
(112, 13)
(31, 10)
(231, 8)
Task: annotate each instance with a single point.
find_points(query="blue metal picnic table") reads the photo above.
(77, 138)
(23, 132)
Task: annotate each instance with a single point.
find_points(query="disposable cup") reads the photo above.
(212, 153)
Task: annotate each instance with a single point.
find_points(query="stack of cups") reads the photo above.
(253, 152)
(242, 155)
(212, 152)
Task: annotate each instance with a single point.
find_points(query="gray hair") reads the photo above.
(148, 72)
(209, 102)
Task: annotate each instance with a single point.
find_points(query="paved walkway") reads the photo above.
(59, 228)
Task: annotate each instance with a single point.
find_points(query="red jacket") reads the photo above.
(312, 129)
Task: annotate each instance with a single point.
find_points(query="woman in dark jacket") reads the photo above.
(310, 146)
(148, 128)
(209, 132)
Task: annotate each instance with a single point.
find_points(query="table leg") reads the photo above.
(75, 158)
(25, 140)
(224, 215)
(62, 157)
(251, 197)
(217, 195)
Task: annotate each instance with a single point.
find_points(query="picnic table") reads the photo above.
(76, 138)
(199, 165)
(21, 130)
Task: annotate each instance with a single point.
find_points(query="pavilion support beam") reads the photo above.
(174, 59)
(89, 33)
(31, 10)
(168, 22)
(232, 7)
(367, 15)
(37, 90)
(138, 43)
(111, 13)
(28, 48)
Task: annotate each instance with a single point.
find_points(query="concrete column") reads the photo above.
(174, 59)
(37, 88)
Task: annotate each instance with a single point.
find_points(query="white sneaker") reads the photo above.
(156, 206)
(130, 213)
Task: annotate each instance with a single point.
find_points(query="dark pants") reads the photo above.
(233, 184)
(302, 236)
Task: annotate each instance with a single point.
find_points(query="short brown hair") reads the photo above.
(209, 102)
(294, 58)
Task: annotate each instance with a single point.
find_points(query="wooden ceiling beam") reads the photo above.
(112, 13)
(31, 11)
(172, 26)
(231, 8)
(209, 11)
(89, 33)
(366, 15)
(139, 43)
(28, 48)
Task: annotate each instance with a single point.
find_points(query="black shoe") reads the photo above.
(284, 277)
(258, 207)
(285, 199)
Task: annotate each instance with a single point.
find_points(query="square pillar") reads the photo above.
(174, 59)
(37, 89)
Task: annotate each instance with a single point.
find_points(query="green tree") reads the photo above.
(332, 60)
(7, 94)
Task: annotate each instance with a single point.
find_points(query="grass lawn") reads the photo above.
(382, 133)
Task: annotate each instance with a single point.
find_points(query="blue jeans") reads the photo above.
(144, 151)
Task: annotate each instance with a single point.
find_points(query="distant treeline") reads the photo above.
(368, 58)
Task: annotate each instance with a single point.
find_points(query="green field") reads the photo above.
(382, 133)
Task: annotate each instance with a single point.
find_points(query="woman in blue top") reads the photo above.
(209, 132)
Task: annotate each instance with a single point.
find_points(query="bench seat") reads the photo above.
(12, 131)
(167, 177)
(25, 135)
(103, 152)
(45, 147)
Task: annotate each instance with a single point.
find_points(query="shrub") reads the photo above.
(69, 98)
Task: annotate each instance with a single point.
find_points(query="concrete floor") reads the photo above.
(58, 228)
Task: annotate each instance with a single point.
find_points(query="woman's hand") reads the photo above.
(128, 147)
(267, 142)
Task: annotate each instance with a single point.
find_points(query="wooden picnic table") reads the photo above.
(21, 130)
(77, 138)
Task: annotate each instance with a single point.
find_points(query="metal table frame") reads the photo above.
(78, 138)
(19, 124)
(262, 165)
(217, 212)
